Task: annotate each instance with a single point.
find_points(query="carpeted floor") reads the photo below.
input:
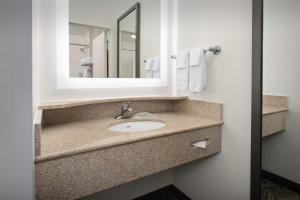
(272, 191)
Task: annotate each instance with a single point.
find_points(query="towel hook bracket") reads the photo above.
(215, 50)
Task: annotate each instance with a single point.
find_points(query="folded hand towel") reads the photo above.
(197, 73)
(156, 74)
(148, 64)
(195, 57)
(182, 75)
(87, 61)
(156, 64)
(148, 74)
(182, 60)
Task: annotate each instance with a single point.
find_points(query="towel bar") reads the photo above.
(215, 50)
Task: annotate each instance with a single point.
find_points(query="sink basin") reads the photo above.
(136, 126)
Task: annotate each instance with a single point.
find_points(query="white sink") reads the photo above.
(136, 126)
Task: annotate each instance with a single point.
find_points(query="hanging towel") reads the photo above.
(87, 73)
(148, 74)
(156, 74)
(197, 72)
(156, 67)
(195, 55)
(148, 68)
(148, 64)
(156, 64)
(182, 75)
(86, 62)
(182, 60)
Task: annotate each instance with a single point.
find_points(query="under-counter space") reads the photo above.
(77, 155)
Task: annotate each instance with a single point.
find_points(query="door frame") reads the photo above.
(136, 7)
(257, 88)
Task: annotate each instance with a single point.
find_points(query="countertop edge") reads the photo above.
(54, 156)
(277, 111)
(71, 103)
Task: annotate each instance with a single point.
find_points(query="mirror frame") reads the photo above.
(136, 7)
(62, 55)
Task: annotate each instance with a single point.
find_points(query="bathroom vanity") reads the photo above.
(274, 114)
(77, 153)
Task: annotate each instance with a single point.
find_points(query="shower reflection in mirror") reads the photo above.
(88, 51)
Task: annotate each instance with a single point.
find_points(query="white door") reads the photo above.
(100, 56)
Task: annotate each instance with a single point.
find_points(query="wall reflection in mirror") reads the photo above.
(281, 105)
(114, 39)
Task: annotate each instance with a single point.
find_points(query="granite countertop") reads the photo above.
(72, 103)
(66, 139)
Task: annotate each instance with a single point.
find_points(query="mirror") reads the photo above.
(114, 39)
(281, 105)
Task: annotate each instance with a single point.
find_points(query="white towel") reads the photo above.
(156, 64)
(148, 74)
(87, 61)
(182, 60)
(87, 73)
(182, 75)
(156, 67)
(148, 64)
(156, 74)
(195, 57)
(197, 73)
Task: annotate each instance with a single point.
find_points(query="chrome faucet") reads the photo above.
(126, 112)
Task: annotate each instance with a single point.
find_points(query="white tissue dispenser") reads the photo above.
(200, 144)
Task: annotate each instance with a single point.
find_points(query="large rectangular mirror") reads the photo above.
(114, 39)
(281, 105)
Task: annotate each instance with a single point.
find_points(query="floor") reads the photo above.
(272, 191)
(167, 193)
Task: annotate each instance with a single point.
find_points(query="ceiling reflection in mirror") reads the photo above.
(114, 39)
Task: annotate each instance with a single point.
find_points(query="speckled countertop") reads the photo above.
(274, 104)
(267, 110)
(65, 139)
(72, 103)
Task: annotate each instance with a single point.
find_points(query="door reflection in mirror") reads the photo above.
(129, 43)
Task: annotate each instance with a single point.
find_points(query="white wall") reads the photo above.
(281, 77)
(203, 23)
(16, 177)
(47, 65)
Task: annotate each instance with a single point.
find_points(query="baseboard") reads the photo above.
(281, 181)
(169, 192)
